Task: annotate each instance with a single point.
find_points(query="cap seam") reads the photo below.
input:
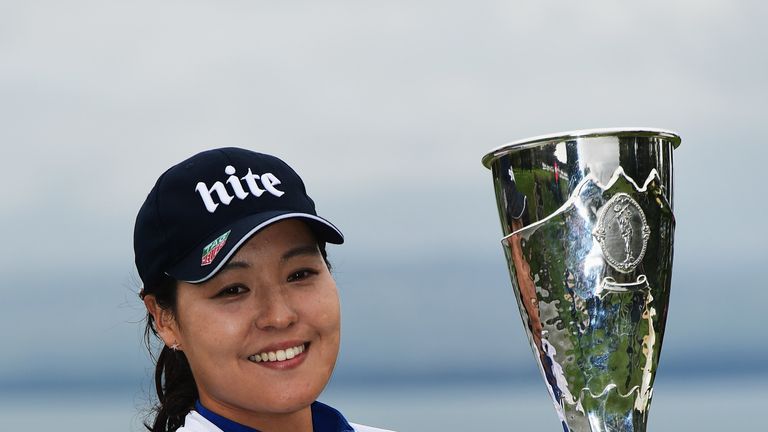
(226, 156)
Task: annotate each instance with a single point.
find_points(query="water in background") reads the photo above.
(712, 404)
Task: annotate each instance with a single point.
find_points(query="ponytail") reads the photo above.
(176, 391)
(174, 383)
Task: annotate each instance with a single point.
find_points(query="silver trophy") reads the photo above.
(588, 232)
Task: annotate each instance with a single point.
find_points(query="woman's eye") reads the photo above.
(301, 275)
(231, 291)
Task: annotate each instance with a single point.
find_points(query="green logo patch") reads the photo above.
(213, 248)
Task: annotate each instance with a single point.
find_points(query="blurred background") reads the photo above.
(385, 109)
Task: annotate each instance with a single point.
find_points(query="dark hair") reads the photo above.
(175, 386)
(174, 383)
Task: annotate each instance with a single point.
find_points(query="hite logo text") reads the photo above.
(267, 180)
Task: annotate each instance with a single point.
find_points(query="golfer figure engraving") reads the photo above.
(618, 222)
(588, 230)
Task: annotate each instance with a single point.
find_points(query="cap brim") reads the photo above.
(194, 268)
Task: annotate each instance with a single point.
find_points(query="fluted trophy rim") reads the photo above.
(524, 143)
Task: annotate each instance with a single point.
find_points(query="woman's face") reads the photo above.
(262, 336)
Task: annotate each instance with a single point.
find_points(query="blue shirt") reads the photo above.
(324, 419)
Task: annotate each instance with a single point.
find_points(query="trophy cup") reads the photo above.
(588, 232)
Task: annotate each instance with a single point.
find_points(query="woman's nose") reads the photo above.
(275, 311)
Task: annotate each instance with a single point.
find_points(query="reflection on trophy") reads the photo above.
(588, 232)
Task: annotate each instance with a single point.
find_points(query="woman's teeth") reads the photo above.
(279, 355)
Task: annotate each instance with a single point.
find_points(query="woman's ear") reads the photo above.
(165, 322)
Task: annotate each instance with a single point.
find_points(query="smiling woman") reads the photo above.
(238, 287)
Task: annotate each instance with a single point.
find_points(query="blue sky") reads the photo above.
(385, 109)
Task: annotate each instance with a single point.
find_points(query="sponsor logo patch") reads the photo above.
(213, 248)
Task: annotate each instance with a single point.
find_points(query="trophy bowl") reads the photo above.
(588, 232)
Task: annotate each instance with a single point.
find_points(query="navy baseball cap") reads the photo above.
(203, 209)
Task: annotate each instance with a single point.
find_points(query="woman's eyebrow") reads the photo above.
(310, 249)
(235, 264)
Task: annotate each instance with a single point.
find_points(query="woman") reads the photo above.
(231, 254)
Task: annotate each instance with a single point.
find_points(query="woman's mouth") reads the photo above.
(279, 355)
